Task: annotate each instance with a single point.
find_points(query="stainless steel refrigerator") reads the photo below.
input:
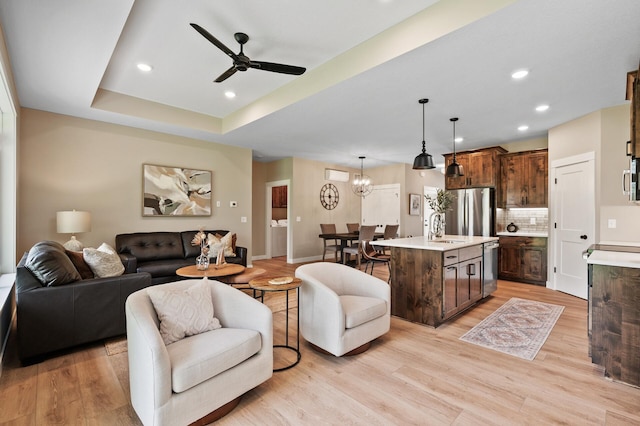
(473, 212)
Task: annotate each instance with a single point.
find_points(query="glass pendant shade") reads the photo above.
(454, 169)
(423, 161)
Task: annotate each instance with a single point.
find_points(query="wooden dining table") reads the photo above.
(346, 237)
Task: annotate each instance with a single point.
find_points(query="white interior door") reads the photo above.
(574, 220)
(382, 206)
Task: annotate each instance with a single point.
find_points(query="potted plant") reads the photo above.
(439, 204)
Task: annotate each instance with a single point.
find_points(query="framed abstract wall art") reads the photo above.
(175, 191)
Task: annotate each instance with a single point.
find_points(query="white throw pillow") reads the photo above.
(103, 261)
(183, 313)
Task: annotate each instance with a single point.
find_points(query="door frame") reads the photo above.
(267, 233)
(588, 157)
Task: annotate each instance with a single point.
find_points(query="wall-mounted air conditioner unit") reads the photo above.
(337, 175)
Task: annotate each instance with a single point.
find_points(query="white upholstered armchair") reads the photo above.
(187, 380)
(342, 309)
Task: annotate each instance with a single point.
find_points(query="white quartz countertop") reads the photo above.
(523, 234)
(448, 242)
(614, 258)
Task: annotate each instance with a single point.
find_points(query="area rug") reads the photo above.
(115, 346)
(519, 328)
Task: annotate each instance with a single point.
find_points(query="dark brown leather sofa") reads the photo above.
(66, 310)
(162, 253)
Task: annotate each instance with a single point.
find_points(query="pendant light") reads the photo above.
(423, 160)
(454, 169)
(361, 185)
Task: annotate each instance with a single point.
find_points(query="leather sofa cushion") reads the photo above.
(147, 246)
(198, 358)
(78, 261)
(361, 309)
(163, 268)
(49, 263)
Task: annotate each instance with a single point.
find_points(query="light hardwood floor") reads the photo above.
(412, 375)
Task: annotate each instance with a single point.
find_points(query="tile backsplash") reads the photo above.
(522, 219)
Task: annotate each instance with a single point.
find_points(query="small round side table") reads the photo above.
(263, 284)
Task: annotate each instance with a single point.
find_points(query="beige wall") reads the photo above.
(605, 133)
(72, 163)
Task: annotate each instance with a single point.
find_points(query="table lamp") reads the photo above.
(72, 222)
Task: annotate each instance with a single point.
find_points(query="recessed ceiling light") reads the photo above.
(519, 74)
(458, 139)
(523, 128)
(144, 67)
(541, 108)
(229, 94)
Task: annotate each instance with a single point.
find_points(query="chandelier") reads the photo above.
(361, 185)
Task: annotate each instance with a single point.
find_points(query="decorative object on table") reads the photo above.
(329, 196)
(423, 160)
(512, 227)
(176, 191)
(361, 185)
(220, 259)
(201, 239)
(414, 204)
(439, 204)
(73, 222)
(281, 280)
(454, 169)
(519, 328)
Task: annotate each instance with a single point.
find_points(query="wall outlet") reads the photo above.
(233, 204)
(298, 219)
(532, 221)
(243, 219)
(611, 223)
(217, 203)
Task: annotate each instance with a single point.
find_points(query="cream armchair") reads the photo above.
(342, 309)
(190, 379)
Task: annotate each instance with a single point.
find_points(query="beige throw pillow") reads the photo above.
(183, 313)
(217, 242)
(103, 261)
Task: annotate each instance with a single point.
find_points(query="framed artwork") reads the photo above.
(175, 191)
(414, 204)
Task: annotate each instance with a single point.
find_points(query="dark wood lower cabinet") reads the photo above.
(523, 259)
(615, 322)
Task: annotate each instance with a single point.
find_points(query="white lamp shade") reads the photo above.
(71, 222)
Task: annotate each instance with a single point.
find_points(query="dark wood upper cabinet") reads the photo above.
(279, 196)
(524, 179)
(481, 168)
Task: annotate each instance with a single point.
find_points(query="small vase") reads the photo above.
(202, 262)
(436, 225)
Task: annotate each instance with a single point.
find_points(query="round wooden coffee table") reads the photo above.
(263, 284)
(192, 272)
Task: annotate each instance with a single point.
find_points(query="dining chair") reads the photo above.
(336, 247)
(366, 233)
(372, 256)
(353, 227)
(390, 232)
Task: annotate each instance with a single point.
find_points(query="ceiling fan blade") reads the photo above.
(215, 41)
(281, 68)
(225, 75)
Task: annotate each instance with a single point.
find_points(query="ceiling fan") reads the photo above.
(242, 62)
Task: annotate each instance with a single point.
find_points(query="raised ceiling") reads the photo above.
(368, 63)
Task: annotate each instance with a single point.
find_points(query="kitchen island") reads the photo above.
(433, 280)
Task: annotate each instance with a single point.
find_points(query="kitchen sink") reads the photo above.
(447, 241)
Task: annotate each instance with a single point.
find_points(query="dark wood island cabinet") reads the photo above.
(614, 320)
